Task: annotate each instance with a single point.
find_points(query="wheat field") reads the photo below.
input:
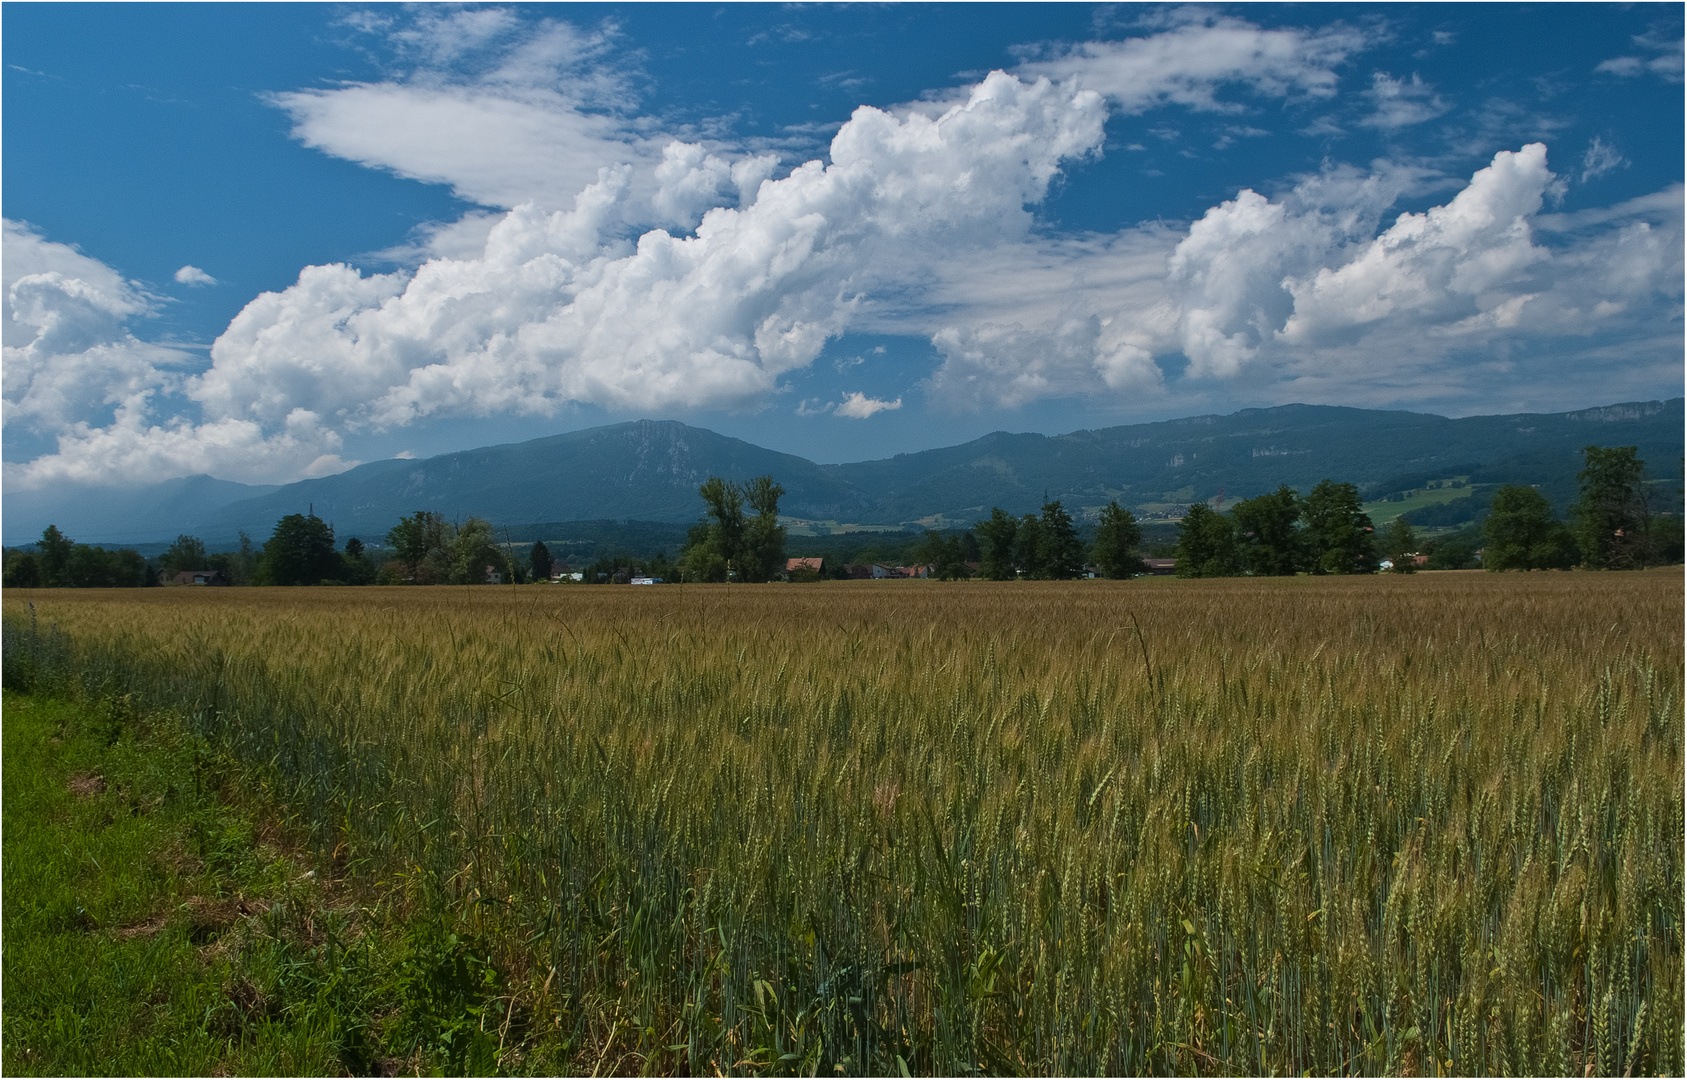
(1413, 825)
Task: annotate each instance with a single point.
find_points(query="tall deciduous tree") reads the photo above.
(1118, 543)
(54, 554)
(713, 547)
(1269, 539)
(1028, 545)
(474, 553)
(944, 554)
(1520, 533)
(997, 536)
(764, 537)
(187, 553)
(1206, 544)
(1340, 534)
(300, 552)
(422, 543)
(1400, 545)
(1610, 515)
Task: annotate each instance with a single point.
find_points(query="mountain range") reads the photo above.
(649, 470)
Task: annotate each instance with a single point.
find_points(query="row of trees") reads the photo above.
(1611, 527)
(728, 544)
(1043, 547)
(58, 562)
(423, 549)
(1275, 534)
(300, 551)
(426, 549)
(1279, 534)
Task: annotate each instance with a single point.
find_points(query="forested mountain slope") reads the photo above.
(649, 470)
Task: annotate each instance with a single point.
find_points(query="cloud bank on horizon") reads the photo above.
(617, 263)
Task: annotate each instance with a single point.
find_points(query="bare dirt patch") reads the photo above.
(87, 786)
(142, 929)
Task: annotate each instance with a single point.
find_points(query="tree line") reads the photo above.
(1612, 525)
(58, 562)
(424, 548)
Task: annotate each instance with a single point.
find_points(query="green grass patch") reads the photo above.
(1386, 510)
(156, 924)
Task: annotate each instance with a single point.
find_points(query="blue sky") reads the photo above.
(268, 241)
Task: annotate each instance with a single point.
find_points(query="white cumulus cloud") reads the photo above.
(68, 351)
(1455, 260)
(1310, 290)
(633, 270)
(558, 308)
(192, 275)
(1227, 278)
(859, 406)
(75, 371)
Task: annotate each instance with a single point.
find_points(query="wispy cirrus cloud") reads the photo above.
(1657, 53)
(504, 110)
(1600, 159)
(1198, 56)
(1402, 102)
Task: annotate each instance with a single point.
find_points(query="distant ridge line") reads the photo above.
(649, 470)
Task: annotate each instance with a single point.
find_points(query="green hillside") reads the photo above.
(649, 471)
(1159, 469)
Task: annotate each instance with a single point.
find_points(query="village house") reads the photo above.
(804, 569)
(199, 577)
